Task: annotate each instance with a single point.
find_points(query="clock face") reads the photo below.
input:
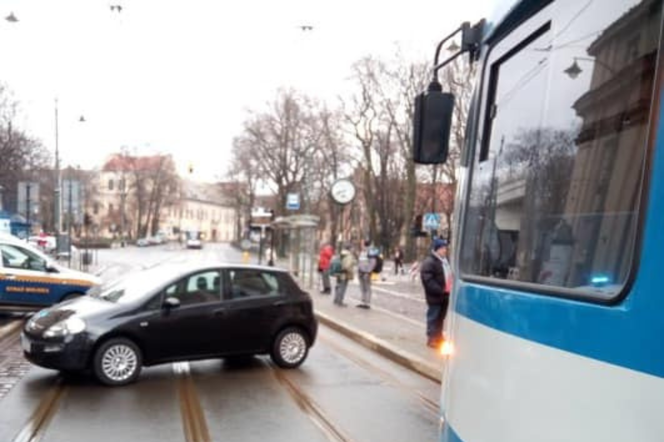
(343, 192)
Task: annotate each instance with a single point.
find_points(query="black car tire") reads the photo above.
(117, 361)
(290, 347)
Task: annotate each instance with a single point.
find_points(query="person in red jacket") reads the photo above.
(324, 258)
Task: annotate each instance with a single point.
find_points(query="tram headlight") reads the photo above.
(447, 349)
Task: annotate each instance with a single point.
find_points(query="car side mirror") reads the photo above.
(432, 122)
(50, 268)
(171, 303)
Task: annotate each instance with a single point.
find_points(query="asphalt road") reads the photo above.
(343, 392)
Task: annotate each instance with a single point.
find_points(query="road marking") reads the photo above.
(36, 426)
(309, 407)
(193, 418)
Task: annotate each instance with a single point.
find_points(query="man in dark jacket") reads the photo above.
(433, 275)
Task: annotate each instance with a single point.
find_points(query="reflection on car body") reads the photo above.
(172, 313)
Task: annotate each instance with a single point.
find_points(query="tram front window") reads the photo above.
(556, 180)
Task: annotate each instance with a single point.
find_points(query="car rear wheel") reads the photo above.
(290, 348)
(117, 362)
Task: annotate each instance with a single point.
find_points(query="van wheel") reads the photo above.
(290, 348)
(117, 361)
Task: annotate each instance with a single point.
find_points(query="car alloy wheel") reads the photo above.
(118, 362)
(290, 348)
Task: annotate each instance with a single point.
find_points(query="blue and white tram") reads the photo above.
(557, 316)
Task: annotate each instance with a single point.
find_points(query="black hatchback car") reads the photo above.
(174, 313)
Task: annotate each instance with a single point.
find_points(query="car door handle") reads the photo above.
(278, 303)
(220, 312)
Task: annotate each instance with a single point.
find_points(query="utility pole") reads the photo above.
(70, 216)
(28, 206)
(57, 218)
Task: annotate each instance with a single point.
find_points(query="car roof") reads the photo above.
(181, 268)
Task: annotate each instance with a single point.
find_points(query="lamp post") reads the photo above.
(574, 69)
(123, 199)
(70, 216)
(57, 211)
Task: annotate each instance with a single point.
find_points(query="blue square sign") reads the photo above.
(293, 201)
(431, 221)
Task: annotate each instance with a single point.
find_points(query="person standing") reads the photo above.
(436, 276)
(343, 277)
(324, 258)
(365, 266)
(398, 261)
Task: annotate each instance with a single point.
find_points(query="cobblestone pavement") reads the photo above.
(13, 366)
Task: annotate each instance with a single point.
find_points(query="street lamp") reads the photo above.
(574, 70)
(57, 213)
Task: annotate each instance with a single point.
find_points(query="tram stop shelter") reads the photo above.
(301, 244)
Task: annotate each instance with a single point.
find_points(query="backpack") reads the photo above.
(379, 264)
(335, 265)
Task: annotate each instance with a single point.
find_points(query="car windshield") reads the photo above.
(128, 289)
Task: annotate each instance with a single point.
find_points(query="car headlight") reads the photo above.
(67, 327)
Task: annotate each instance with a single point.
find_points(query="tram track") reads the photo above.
(9, 334)
(35, 428)
(309, 407)
(193, 418)
(427, 403)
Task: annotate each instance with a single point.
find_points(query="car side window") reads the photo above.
(15, 257)
(249, 283)
(199, 288)
(157, 300)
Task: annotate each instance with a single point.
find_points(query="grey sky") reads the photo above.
(177, 77)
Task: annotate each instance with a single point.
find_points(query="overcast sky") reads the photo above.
(178, 77)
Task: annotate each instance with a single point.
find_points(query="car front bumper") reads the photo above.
(71, 354)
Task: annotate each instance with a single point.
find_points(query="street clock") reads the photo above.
(342, 191)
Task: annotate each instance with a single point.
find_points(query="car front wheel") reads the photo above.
(117, 362)
(290, 348)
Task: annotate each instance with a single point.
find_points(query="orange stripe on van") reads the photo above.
(47, 280)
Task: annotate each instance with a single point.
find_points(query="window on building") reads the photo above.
(111, 208)
(110, 184)
(558, 169)
(95, 208)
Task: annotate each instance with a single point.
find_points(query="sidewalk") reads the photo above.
(397, 338)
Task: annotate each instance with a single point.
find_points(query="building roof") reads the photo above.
(121, 163)
(210, 193)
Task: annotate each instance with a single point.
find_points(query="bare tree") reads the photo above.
(283, 143)
(21, 156)
(243, 176)
(458, 79)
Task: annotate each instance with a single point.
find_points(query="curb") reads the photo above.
(401, 357)
(10, 328)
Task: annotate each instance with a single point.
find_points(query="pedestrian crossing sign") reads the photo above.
(431, 221)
